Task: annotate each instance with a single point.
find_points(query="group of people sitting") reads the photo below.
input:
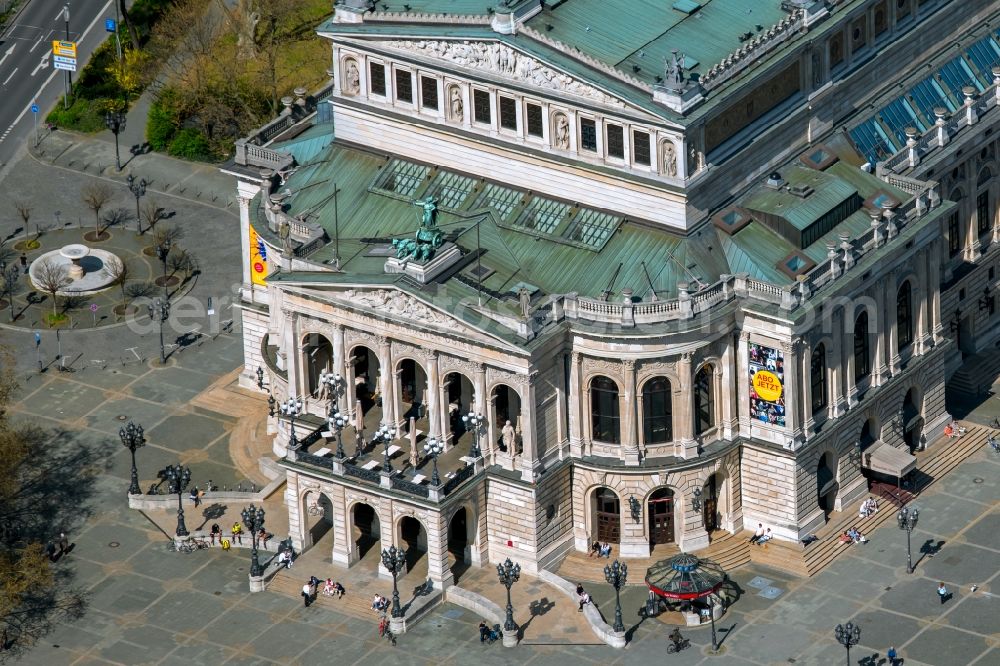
(583, 596)
(600, 549)
(487, 633)
(380, 604)
(332, 589)
(868, 508)
(853, 536)
(285, 558)
(760, 535)
(953, 429)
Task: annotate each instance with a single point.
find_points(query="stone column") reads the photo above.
(805, 374)
(350, 386)
(842, 370)
(529, 462)
(891, 332)
(341, 529)
(934, 291)
(923, 339)
(443, 414)
(479, 385)
(293, 354)
(574, 400)
(433, 391)
(695, 536)
(296, 531)
(728, 399)
(793, 418)
(630, 436)
(685, 421)
(339, 366)
(387, 381)
(437, 553)
(387, 533)
(880, 369)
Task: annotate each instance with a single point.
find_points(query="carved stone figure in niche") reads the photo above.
(695, 160)
(562, 132)
(352, 78)
(507, 437)
(524, 299)
(456, 104)
(669, 159)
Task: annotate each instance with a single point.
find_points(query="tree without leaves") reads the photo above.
(119, 270)
(169, 234)
(150, 213)
(24, 210)
(179, 260)
(50, 278)
(116, 216)
(96, 195)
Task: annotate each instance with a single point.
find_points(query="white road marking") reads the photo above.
(35, 45)
(7, 54)
(43, 63)
(10, 77)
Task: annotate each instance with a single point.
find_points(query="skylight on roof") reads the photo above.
(450, 189)
(500, 199)
(542, 215)
(687, 6)
(591, 227)
(402, 178)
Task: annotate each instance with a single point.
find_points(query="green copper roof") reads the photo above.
(827, 192)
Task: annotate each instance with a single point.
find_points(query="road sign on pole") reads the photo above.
(68, 66)
(34, 114)
(110, 25)
(62, 48)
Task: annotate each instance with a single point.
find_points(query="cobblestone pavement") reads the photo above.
(149, 605)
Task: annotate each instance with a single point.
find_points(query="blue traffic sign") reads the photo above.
(109, 25)
(34, 108)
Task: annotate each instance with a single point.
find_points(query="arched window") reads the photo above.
(656, 411)
(904, 316)
(862, 362)
(817, 378)
(604, 415)
(704, 400)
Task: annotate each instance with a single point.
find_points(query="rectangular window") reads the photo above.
(376, 78)
(429, 93)
(954, 235)
(588, 135)
(616, 141)
(640, 147)
(836, 50)
(983, 216)
(481, 106)
(404, 86)
(508, 112)
(533, 114)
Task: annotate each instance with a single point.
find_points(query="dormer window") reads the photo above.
(481, 107)
(588, 135)
(534, 118)
(429, 93)
(376, 78)
(508, 112)
(616, 141)
(404, 86)
(640, 148)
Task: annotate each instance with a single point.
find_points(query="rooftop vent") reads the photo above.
(801, 191)
(775, 181)
(687, 6)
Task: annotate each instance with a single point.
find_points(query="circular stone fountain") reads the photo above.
(84, 266)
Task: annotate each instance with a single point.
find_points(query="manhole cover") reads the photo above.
(122, 417)
(770, 593)
(759, 582)
(977, 480)
(113, 544)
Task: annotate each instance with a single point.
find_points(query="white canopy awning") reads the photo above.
(888, 460)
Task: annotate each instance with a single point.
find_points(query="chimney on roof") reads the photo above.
(775, 181)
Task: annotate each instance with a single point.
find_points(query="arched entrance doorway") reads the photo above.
(660, 509)
(412, 391)
(318, 516)
(826, 483)
(366, 532)
(460, 541)
(413, 538)
(506, 405)
(319, 357)
(607, 512)
(459, 395)
(367, 392)
(912, 421)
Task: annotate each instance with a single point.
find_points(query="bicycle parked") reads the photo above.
(190, 545)
(994, 442)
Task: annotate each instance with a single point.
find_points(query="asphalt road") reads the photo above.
(26, 72)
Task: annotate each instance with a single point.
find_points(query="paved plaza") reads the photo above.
(149, 605)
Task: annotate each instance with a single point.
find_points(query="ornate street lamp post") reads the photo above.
(138, 188)
(616, 574)
(115, 121)
(253, 518)
(291, 408)
(270, 397)
(476, 424)
(160, 310)
(907, 520)
(394, 559)
(711, 615)
(433, 448)
(385, 434)
(848, 635)
(162, 251)
(337, 422)
(509, 573)
(132, 439)
(179, 477)
(260, 378)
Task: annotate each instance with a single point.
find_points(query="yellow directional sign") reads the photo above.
(67, 49)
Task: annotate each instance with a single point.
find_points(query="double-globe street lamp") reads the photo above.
(253, 518)
(907, 520)
(337, 421)
(509, 573)
(160, 310)
(616, 574)
(132, 438)
(385, 434)
(476, 424)
(848, 635)
(291, 408)
(433, 448)
(115, 121)
(138, 189)
(179, 477)
(394, 560)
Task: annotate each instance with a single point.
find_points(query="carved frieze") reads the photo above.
(502, 60)
(391, 301)
(498, 376)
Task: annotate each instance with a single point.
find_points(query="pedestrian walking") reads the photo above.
(24, 263)
(50, 550)
(63, 544)
(195, 497)
(942, 593)
(892, 656)
(306, 594)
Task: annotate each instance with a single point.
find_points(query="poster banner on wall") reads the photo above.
(767, 380)
(258, 258)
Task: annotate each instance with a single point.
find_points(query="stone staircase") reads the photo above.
(356, 602)
(809, 560)
(728, 550)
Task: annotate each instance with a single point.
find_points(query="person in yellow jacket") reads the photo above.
(237, 533)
